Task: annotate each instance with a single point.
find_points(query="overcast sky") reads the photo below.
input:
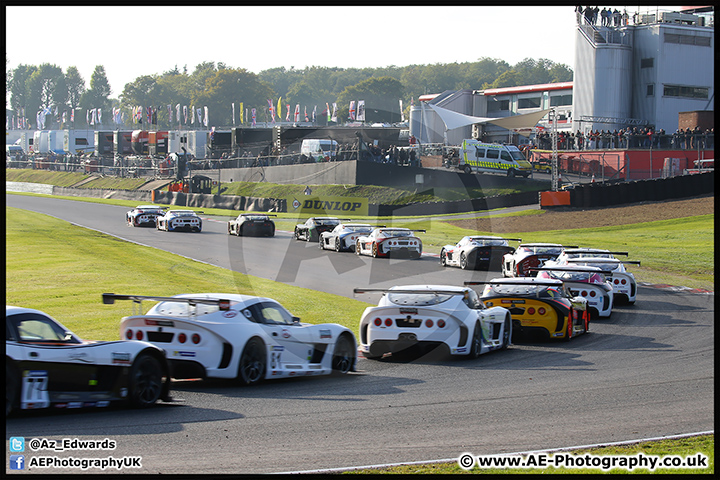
(134, 41)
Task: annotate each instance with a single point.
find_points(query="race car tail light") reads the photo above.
(196, 338)
(182, 338)
(584, 293)
(139, 335)
(128, 334)
(441, 323)
(377, 322)
(541, 311)
(429, 323)
(531, 311)
(388, 322)
(616, 281)
(623, 281)
(592, 294)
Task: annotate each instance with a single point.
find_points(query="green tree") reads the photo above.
(20, 90)
(98, 95)
(381, 97)
(75, 87)
(229, 85)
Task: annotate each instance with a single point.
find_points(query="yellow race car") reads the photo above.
(543, 306)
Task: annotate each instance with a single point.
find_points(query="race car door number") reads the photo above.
(34, 389)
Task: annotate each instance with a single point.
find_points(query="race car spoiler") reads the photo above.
(222, 303)
(602, 260)
(415, 291)
(593, 250)
(507, 281)
(569, 269)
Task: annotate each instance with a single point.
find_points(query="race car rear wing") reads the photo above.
(594, 250)
(508, 281)
(109, 299)
(569, 269)
(602, 260)
(407, 290)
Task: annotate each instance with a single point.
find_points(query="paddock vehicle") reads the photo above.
(623, 282)
(175, 220)
(313, 227)
(46, 365)
(528, 256)
(386, 241)
(425, 317)
(144, 215)
(587, 282)
(477, 252)
(222, 335)
(538, 305)
(255, 224)
(479, 157)
(343, 236)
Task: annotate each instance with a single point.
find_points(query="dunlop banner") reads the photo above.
(330, 206)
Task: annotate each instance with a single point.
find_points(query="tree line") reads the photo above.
(217, 86)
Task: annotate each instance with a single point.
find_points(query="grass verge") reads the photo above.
(683, 447)
(63, 269)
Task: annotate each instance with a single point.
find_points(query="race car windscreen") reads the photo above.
(539, 291)
(418, 299)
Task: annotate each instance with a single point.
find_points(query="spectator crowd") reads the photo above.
(631, 137)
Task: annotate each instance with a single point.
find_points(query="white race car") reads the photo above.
(528, 256)
(144, 215)
(477, 252)
(218, 335)
(174, 220)
(623, 282)
(47, 365)
(583, 281)
(343, 236)
(424, 317)
(387, 241)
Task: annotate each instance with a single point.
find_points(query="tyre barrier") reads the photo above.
(603, 195)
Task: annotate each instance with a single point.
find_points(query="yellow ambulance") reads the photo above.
(479, 157)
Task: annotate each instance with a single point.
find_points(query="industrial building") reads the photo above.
(643, 73)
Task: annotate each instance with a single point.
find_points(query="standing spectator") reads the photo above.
(578, 14)
(603, 17)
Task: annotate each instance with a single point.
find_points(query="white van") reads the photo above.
(479, 157)
(312, 147)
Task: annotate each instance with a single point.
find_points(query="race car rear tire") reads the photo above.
(506, 333)
(338, 244)
(146, 381)
(374, 250)
(357, 248)
(475, 343)
(443, 258)
(230, 232)
(463, 261)
(343, 355)
(297, 234)
(252, 362)
(12, 388)
(569, 333)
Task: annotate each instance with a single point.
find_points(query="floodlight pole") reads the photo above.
(554, 159)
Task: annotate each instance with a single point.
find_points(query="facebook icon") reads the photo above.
(17, 462)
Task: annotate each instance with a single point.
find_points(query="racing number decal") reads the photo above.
(34, 389)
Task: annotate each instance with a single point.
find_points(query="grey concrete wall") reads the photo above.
(332, 173)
